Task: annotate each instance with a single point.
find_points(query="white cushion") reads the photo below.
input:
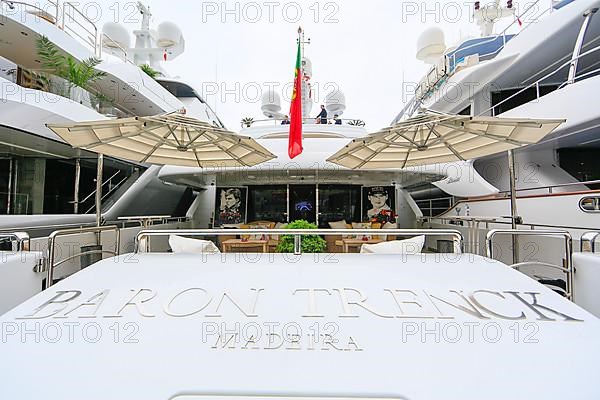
(413, 245)
(231, 226)
(181, 244)
(338, 224)
(279, 225)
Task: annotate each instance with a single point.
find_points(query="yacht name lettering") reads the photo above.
(341, 302)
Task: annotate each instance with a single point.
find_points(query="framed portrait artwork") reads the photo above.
(230, 205)
(379, 203)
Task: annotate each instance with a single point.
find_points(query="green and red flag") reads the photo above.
(295, 138)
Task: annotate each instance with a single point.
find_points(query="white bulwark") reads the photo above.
(157, 326)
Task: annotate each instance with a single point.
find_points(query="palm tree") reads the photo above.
(356, 122)
(151, 72)
(247, 122)
(78, 73)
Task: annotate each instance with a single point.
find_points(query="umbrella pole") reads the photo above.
(99, 170)
(513, 203)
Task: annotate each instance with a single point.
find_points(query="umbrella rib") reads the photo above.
(174, 136)
(156, 146)
(448, 145)
(424, 142)
(193, 149)
(233, 157)
(110, 139)
(367, 159)
(198, 136)
(245, 146)
(411, 141)
(410, 149)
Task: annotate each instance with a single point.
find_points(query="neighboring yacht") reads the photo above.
(46, 183)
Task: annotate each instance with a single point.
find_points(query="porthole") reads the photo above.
(590, 204)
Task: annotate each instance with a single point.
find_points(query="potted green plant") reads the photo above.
(356, 122)
(310, 243)
(148, 70)
(247, 122)
(78, 74)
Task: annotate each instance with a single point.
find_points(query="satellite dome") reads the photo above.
(115, 35)
(169, 34)
(335, 102)
(271, 104)
(431, 45)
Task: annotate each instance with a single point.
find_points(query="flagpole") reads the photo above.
(301, 71)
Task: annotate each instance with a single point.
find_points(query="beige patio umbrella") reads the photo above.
(167, 139)
(433, 137)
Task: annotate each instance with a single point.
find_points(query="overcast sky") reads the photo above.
(240, 49)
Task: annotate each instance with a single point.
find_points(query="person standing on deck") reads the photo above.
(322, 117)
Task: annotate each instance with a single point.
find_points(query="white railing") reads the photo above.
(306, 121)
(77, 24)
(67, 17)
(50, 11)
(537, 83)
(567, 268)
(51, 261)
(551, 188)
(142, 239)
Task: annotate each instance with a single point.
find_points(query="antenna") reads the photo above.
(301, 39)
(146, 14)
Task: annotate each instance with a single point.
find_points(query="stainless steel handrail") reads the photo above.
(550, 187)
(498, 220)
(93, 40)
(29, 228)
(587, 243)
(537, 83)
(51, 263)
(308, 121)
(589, 73)
(457, 237)
(106, 182)
(114, 43)
(568, 240)
(19, 240)
(35, 6)
(107, 194)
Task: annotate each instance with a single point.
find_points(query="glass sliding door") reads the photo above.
(5, 176)
(267, 203)
(338, 202)
(303, 203)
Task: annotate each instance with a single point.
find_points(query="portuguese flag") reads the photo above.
(295, 138)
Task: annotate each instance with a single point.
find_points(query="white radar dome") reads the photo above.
(169, 34)
(335, 102)
(271, 104)
(115, 35)
(431, 45)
